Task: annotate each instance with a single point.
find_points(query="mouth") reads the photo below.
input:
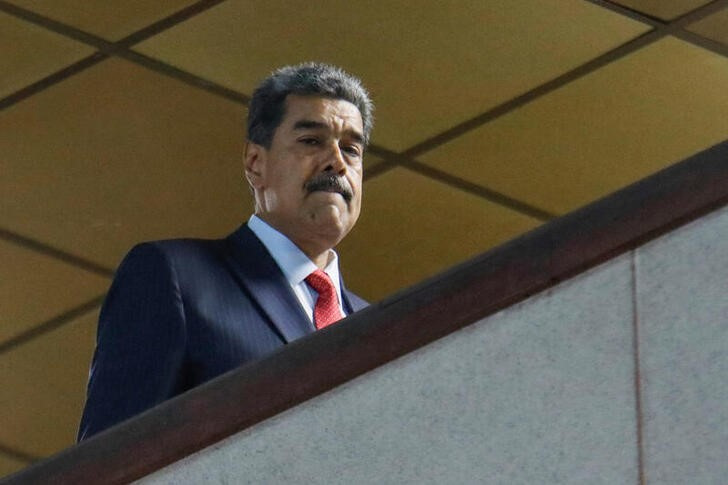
(330, 183)
(328, 191)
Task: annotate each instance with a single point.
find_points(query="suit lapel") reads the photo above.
(352, 303)
(258, 273)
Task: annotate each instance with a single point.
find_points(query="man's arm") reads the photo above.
(140, 345)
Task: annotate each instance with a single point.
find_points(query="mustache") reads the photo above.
(329, 182)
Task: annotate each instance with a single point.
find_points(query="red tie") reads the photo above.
(326, 311)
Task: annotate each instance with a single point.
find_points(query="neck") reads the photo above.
(320, 260)
(316, 251)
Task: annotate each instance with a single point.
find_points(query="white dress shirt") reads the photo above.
(295, 265)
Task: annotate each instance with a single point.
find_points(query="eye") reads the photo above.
(309, 140)
(352, 150)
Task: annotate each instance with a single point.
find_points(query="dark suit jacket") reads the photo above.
(181, 312)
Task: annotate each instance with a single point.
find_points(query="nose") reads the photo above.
(335, 161)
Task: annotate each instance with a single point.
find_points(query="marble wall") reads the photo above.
(615, 376)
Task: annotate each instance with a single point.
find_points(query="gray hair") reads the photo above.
(267, 106)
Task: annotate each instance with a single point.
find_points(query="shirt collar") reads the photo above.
(293, 262)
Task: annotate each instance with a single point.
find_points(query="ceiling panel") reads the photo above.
(427, 68)
(714, 27)
(10, 465)
(110, 20)
(29, 53)
(412, 227)
(663, 9)
(127, 155)
(46, 378)
(371, 161)
(613, 127)
(35, 287)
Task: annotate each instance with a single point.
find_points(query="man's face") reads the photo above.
(308, 183)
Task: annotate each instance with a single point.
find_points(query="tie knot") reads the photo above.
(326, 310)
(320, 282)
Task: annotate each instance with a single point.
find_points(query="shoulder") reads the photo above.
(152, 262)
(172, 250)
(173, 247)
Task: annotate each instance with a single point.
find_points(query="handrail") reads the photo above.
(395, 326)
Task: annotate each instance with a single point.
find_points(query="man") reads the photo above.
(181, 312)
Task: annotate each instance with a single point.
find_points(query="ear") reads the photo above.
(255, 164)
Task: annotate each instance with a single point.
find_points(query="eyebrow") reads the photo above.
(318, 125)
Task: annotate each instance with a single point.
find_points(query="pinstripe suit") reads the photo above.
(181, 312)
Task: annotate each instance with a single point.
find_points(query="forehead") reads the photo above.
(335, 113)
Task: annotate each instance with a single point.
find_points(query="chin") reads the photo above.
(336, 231)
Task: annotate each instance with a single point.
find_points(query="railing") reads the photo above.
(395, 326)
